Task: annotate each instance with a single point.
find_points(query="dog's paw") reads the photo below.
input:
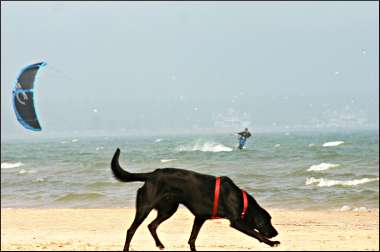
(161, 247)
(275, 244)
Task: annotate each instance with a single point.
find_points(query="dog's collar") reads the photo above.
(216, 200)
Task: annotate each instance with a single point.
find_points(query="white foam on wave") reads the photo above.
(277, 145)
(321, 182)
(167, 160)
(322, 167)
(39, 180)
(331, 144)
(205, 147)
(158, 140)
(360, 209)
(346, 208)
(74, 140)
(22, 171)
(6, 165)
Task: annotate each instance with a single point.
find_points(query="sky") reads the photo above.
(174, 67)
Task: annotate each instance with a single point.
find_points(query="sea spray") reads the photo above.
(205, 147)
(332, 144)
(322, 167)
(322, 182)
(167, 160)
(6, 165)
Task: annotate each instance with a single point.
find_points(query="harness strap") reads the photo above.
(245, 204)
(216, 199)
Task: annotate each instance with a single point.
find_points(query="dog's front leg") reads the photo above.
(246, 230)
(198, 222)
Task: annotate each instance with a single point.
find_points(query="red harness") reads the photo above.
(216, 199)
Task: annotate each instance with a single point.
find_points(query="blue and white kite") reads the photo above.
(23, 97)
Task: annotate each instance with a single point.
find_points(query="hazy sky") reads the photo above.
(133, 67)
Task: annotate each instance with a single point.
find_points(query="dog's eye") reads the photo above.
(260, 225)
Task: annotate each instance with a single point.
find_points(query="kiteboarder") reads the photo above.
(243, 137)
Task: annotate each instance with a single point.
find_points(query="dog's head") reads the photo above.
(258, 218)
(262, 223)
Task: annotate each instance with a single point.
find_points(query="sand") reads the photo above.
(105, 229)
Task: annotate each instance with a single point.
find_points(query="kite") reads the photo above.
(23, 97)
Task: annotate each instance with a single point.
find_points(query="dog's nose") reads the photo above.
(274, 234)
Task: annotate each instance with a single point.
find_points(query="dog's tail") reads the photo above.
(123, 175)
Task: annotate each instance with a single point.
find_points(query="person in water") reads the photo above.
(243, 136)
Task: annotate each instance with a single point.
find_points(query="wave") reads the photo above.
(39, 180)
(321, 182)
(158, 140)
(356, 209)
(360, 209)
(331, 144)
(167, 160)
(22, 171)
(6, 165)
(103, 184)
(322, 167)
(79, 196)
(205, 147)
(345, 208)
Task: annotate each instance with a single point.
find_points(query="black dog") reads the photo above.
(164, 189)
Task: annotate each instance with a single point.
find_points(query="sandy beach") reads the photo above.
(105, 229)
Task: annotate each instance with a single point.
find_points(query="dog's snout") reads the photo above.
(269, 232)
(274, 233)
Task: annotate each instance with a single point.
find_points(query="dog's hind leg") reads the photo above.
(142, 211)
(165, 210)
(198, 222)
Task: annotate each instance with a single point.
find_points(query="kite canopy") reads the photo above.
(23, 97)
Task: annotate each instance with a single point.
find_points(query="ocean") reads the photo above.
(304, 170)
